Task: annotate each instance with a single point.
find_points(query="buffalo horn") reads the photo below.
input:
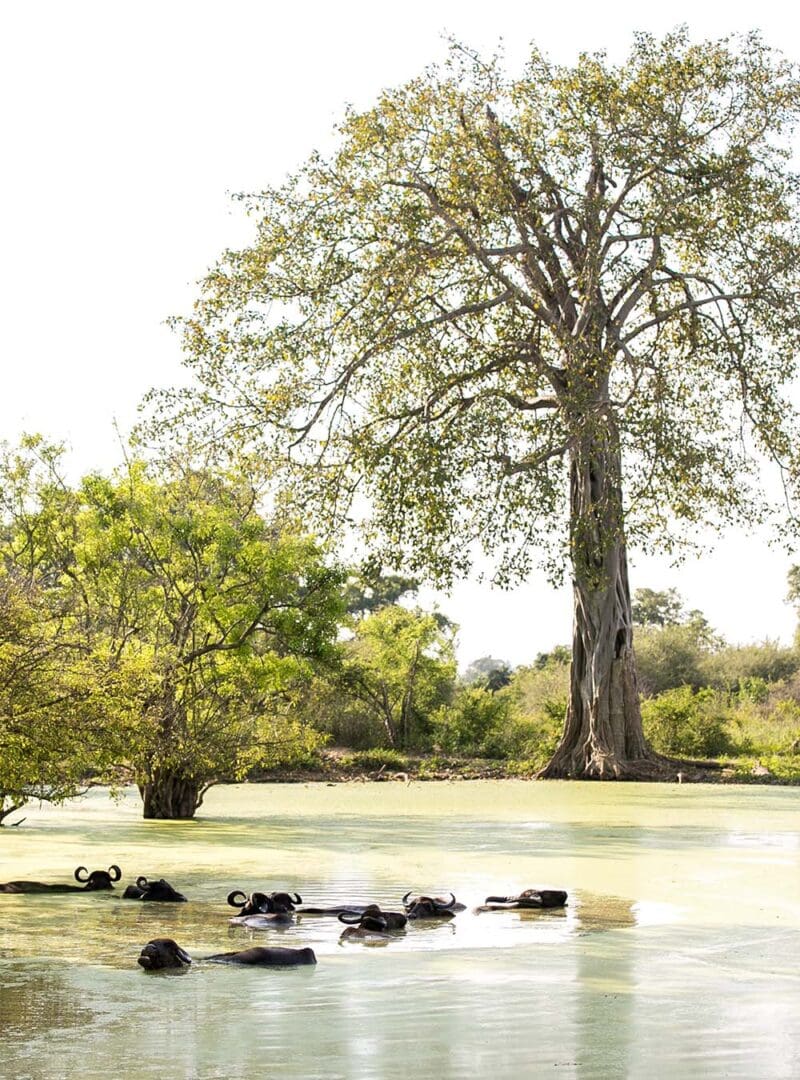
(112, 875)
(78, 874)
(350, 917)
(405, 898)
(297, 899)
(141, 882)
(232, 898)
(445, 906)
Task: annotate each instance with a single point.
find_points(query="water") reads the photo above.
(677, 954)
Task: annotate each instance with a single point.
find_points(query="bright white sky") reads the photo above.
(125, 128)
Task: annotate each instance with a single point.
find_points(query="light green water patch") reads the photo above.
(676, 956)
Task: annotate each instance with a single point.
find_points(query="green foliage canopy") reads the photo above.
(489, 270)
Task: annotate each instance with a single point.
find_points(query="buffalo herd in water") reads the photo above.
(364, 922)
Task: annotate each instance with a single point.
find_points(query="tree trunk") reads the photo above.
(168, 796)
(603, 737)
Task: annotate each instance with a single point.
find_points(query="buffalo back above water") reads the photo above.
(95, 881)
(160, 890)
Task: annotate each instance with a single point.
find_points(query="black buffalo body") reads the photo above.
(272, 957)
(529, 898)
(164, 954)
(94, 882)
(160, 890)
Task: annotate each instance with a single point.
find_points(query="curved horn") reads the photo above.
(442, 904)
(78, 874)
(142, 882)
(498, 900)
(232, 898)
(405, 898)
(297, 898)
(350, 917)
(112, 875)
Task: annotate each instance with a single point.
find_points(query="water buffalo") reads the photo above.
(94, 882)
(529, 898)
(392, 920)
(259, 903)
(372, 924)
(153, 890)
(164, 953)
(431, 907)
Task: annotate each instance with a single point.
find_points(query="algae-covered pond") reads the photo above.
(676, 956)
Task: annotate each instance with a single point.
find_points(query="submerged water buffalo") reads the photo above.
(529, 898)
(163, 954)
(371, 924)
(153, 890)
(431, 907)
(94, 882)
(278, 905)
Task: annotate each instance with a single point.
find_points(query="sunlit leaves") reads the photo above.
(491, 273)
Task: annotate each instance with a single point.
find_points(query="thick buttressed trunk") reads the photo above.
(603, 737)
(168, 796)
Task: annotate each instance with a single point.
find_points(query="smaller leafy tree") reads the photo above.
(168, 627)
(368, 589)
(488, 672)
(476, 722)
(400, 666)
(649, 607)
(215, 614)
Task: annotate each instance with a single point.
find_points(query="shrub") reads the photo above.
(474, 723)
(376, 759)
(682, 721)
(742, 666)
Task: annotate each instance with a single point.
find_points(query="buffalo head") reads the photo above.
(153, 890)
(162, 953)
(259, 903)
(430, 907)
(98, 879)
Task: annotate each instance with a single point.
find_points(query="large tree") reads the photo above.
(553, 314)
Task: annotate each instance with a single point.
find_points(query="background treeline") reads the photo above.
(160, 626)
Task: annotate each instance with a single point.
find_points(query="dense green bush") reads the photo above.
(473, 723)
(736, 667)
(682, 721)
(376, 759)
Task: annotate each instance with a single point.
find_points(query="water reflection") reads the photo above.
(677, 945)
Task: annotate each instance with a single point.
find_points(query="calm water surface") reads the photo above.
(677, 955)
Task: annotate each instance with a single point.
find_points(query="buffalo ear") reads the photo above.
(114, 872)
(78, 877)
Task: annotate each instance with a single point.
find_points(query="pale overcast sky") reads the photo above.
(127, 125)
